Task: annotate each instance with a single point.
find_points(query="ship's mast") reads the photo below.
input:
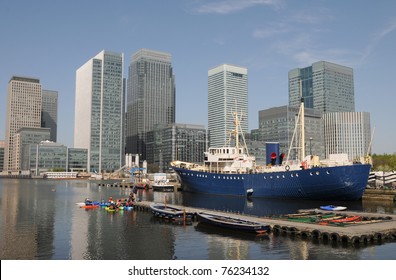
(302, 124)
(236, 120)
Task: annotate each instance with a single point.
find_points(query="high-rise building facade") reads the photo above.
(227, 94)
(326, 86)
(347, 133)
(24, 105)
(99, 111)
(278, 124)
(25, 137)
(49, 114)
(151, 97)
(184, 142)
(2, 147)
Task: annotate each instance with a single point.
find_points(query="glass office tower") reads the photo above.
(227, 94)
(326, 86)
(99, 111)
(151, 97)
(49, 114)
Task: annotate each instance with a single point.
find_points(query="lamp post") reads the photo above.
(310, 145)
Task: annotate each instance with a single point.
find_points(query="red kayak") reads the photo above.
(347, 219)
(89, 206)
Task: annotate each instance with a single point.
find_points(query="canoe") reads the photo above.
(332, 208)
(169, 212)
(90, 206)
(233, 223)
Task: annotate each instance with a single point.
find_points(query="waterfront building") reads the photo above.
(184, 142)
(99, 111)
(77, 159)
(227, 94)
(2, 147)
(24, 105)
(47, 156)
(326, 86)
(348, 133)
(277, 124)
(151, 97)
(49, 112)
(22, 140)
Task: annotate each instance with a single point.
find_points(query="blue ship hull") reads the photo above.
(325, 183)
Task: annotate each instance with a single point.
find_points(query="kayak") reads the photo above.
(90, 206)
(83, 203)
(347, 219)
(333, 208)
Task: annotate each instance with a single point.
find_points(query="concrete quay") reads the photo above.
(374, 228)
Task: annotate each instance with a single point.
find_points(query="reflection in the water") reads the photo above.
(40, 220)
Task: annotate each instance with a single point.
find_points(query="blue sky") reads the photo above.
(50, 40)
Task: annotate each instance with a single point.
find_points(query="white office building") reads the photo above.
(348, 133)
(227, 94)
(23, 110)
(99, 111)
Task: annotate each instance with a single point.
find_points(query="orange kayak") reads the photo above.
(89, 206)
(347, 219)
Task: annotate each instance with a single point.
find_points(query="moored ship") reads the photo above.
(230, 170)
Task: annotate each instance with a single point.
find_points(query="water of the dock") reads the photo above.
(374, 226)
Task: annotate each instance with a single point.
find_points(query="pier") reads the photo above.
(375, 227)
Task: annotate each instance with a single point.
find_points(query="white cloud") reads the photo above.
(376, 38)
(233, 6)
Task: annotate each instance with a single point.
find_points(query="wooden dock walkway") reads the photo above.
(377, 227)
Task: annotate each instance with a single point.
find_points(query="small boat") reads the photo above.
(169, 212)
(333, 208)
(233, 223)
(347, 219)
(311, 218)
(162, 187)
(91, 206)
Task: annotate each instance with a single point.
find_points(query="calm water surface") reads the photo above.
(40, 220)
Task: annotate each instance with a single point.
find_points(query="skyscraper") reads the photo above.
(227, 94)
(49, 115)
(151, 97)
(348, 133)
(325, 86)
(99, 111)
(23, 110)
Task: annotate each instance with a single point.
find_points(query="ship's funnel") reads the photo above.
(272, 151)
